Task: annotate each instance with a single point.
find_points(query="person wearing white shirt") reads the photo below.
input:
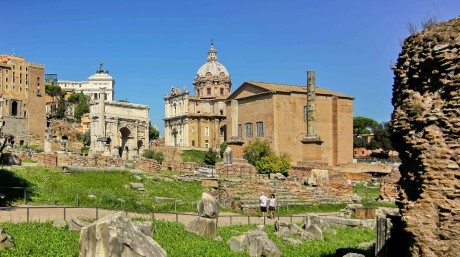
(263, 204)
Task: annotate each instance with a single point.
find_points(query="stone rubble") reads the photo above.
(255, 242)
(116, 236)
(206, 223)
(5, 240)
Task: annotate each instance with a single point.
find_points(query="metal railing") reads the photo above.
(50, 213)
(165, 204)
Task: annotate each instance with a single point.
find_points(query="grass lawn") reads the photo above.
(49, 241)
(369, 195)
(105, 186)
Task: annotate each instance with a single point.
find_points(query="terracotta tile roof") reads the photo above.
(293, 88)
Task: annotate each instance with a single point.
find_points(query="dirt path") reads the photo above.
(24, 213)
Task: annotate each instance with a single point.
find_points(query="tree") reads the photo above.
(260, 154)
(153, 132)
(85, 138)
(363, 125)
(210, 157)
(381, 139)
(53, 91)
(61, 108)
(56, 91)
(256, 150)
(359, 142)
(81, 102)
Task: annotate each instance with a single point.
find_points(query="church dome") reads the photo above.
(212, 65)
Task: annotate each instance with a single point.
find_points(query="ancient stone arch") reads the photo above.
(117, 128)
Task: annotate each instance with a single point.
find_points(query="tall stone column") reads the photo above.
(311, 142)
(311, 104)
(102, 113)
(235, 142)
(101, 139)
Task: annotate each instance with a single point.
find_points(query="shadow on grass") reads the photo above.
(13, 187)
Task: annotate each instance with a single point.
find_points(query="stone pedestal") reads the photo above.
(311, 148)
(236, 144)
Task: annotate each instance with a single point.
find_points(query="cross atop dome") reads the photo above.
(212, 53)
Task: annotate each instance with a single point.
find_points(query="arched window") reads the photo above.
(14, 108)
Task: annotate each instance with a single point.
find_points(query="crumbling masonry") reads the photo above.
(426, 133)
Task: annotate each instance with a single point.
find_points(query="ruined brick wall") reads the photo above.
(426, 133)
(243, 169)
(53, 160)
(148, 165)
(389, 185)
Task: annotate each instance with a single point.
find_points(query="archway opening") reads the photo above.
(14, 108)
(124, 136)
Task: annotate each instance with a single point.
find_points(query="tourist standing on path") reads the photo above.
(263, 204)
(272, 206)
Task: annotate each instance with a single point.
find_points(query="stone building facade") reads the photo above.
(199, 121)
(118, 128)
(22, 102)
(91, 87)
(311, 126)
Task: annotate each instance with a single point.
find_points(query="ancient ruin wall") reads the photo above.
(426, 131)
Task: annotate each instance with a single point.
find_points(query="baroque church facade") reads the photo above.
(199, 121)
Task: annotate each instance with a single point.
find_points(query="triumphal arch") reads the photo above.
(119, 129)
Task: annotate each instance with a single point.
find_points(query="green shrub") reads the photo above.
(274, 164)
(210, 157)
(260, 154)
(152, 154)
(85, 138)
(84, 150)
(193, 156)
(223, 146)
(256, 150)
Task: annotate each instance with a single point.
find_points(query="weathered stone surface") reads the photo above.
(366, 245)
(203, 227)
(208, 206)
(145, 227)
(256, 242)
(238, 243)
(311, 232)
(210, 182)
(5, 240)
(292, 241)
(329, 230)
(138, 186)
(426, 132)
(354, 255)
(10, 159)
(116, 236)
(339, 221)
(350, 252)
(315, 231)
(75, 225)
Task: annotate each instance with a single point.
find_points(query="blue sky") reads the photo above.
(149, 46)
